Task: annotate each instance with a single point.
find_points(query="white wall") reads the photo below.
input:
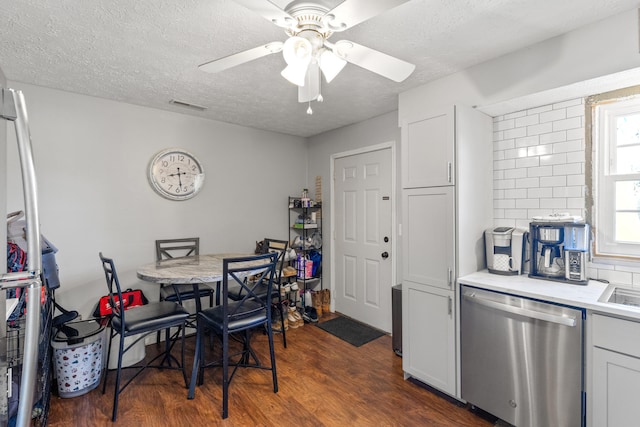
(600, 49)
(381, 129)
(91, 158)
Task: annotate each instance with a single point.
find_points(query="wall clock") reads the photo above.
(176, 174)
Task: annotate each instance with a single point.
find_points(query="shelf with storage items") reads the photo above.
(305, 237)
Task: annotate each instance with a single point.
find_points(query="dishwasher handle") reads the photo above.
(534, 314)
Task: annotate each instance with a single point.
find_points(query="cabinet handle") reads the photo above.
(449, 277)
(449, 172)
(450, 306)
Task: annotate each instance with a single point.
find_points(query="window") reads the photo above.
(615, 139)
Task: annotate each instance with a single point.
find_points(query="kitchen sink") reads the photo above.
(615, 294)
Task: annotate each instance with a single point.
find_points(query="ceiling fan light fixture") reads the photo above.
(295, 73)
(297, 50)
(331, 65)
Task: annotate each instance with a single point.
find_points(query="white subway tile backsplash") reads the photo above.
(505, 144)
(501, 184)
(527, 182)
(515, 193)
(539, 193)
(569, 103)
(539, 150)
(553, 159)
(527, 141)
(575, 157)
(527, 120)
(553, 115)
(527, 203)
(576, 180)
(515, 173)
(550, 138)
(568, 169)
(515, 115)
(503, 125)
(527, 162)
(541, 128)
(566, 146)
(504, 204)
(553, 203)
(577, 133)
(540, 171)
(572, 123)
(553, 181)
(504, 164)
(515, 133)
(539, 110)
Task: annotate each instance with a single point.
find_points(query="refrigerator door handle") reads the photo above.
(533, 314)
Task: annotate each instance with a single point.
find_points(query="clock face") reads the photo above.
(176, 174)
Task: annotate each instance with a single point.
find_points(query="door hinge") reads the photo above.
(449, 281)
(449, 172)
(450, 306)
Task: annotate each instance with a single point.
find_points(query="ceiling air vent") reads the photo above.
(187, 105)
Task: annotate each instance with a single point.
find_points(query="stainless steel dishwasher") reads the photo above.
(522, 359)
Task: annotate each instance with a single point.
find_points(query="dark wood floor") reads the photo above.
(323, 381)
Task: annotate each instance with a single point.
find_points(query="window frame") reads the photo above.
(601, 110)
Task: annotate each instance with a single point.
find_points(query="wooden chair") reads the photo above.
(238, 318)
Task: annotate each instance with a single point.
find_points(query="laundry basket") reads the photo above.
(78, 349)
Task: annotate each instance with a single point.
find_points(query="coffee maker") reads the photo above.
(559, 249)
(504, 247)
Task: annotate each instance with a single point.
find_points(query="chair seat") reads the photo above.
(168, 293)
(254, 314)
(152, 316)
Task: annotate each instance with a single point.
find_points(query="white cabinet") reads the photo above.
(447, 180)
(428, 255)
(428, 143)
(615, 373)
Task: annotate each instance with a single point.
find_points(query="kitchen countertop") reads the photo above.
(583, 296)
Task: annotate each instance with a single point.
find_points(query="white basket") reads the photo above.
(78, 366)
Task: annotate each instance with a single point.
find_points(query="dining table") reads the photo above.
(194, 270)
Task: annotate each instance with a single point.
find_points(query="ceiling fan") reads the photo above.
(308, 52)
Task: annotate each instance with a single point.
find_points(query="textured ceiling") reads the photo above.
(146, 52)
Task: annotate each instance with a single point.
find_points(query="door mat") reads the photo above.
(351, 331)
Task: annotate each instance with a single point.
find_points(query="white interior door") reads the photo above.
(363, 233)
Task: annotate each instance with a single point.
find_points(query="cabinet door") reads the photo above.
(428, 143)
(428, 338)
(616, 387)
(428, 236)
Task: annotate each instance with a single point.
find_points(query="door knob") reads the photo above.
(385, 255)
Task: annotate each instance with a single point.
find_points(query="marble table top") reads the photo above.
(187, 270)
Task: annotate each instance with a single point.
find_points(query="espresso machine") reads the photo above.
(559, 249)
(504, 247)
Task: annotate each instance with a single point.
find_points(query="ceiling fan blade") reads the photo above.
(311, 88)
(240, 58)
(352, 12)
(380, 63)
(269, 11)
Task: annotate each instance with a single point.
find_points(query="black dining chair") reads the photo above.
(236, 292)
(175, 248)
(238, 319)
(140, 321)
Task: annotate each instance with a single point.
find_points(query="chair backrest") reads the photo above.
(113, 286)
(176, 248)
(253, 274)
(280, 247)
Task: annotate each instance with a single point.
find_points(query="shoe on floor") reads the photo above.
(310, 314)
